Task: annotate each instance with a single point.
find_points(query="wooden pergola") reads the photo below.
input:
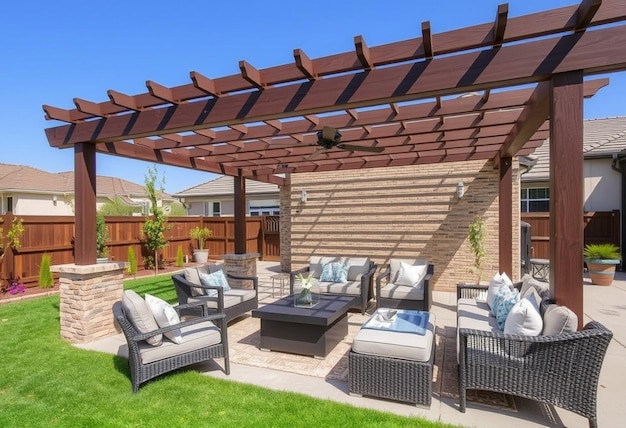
(491, 91)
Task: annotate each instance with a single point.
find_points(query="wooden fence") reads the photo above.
(54, 235)
(600, 227)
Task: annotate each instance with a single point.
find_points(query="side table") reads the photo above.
(280, 279)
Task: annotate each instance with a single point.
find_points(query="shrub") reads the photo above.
(46, 280)
(132, 261)
(602, 252)
(179, 257)
(477, 236)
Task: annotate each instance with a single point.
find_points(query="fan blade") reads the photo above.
(354, 148)
(315, 154)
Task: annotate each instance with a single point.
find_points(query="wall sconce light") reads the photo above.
(460, 189)
(54, 199)
(303, 196)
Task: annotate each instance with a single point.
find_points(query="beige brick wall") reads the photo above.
(407, 212)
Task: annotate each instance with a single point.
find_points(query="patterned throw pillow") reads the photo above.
(335, 272)
(503, 305)
(215, 279)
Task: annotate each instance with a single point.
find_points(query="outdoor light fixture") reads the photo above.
(303, 196)
(55, 198)
(460, 189)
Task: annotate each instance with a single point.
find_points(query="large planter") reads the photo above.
(201, 256)
(601, 271)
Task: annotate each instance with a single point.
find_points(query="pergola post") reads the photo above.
(505, 202)
(85, 205)
(240, 214)
(566, 191)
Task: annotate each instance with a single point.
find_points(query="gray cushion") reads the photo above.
(359, 266)
(191, 275)
(404, 292)
(543, 288)
(406, 346)
(232, 297)
(559, 319)
(475, 315)
(194, 337)
(350, 287)
(140, 315)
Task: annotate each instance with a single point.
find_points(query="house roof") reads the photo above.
(26, 179)
(601, 138)
(224, 186)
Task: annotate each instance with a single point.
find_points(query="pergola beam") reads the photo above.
(592, 52)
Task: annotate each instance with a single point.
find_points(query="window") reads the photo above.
(535, 200)
(264, 210)
(213, 209)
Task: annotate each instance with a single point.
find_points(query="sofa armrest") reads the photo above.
(293, 274)
(469, 291)
(428, 290)
(254, 279)
(386, 273)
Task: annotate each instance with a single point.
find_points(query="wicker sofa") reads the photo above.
(359, 279)
(233, 303)
(560, 369)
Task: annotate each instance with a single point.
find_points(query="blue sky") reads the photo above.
(55, 51)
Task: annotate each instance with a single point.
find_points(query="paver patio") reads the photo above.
(326, 378)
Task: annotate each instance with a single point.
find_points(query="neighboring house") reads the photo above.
(604, 141)
(215, 198)
(31, 191)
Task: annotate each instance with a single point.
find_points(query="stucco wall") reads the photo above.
(602, 186)
(407, 212)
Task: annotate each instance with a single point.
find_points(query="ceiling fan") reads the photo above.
(329, 138)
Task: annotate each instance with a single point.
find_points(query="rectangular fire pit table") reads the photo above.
(309, 331)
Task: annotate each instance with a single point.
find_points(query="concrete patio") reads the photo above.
(326, 378)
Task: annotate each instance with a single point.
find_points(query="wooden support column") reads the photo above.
(240, 214)
(566, 191)
(85, 205)
(505, 199)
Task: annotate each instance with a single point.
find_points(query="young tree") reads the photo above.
(477, 238)
(156, 222)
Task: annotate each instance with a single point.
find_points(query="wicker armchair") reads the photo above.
(146, 361)
(562, 370)
(233, 304)
(388, 295)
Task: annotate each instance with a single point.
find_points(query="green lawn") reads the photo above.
(45, 381)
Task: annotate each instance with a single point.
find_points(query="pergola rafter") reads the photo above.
(445, 97)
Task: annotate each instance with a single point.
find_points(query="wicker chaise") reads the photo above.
(199, 344)
(562, 369)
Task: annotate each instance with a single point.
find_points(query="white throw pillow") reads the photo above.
(496, 282)
(410, 275)
(165, 316)
(523, 319)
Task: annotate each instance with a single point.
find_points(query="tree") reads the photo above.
(177, 209)
(117, 206)
(156, 223)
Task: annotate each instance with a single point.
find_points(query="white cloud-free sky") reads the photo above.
(54, 51)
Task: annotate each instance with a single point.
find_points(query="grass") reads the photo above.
(45, 381)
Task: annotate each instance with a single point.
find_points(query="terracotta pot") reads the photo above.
(601, 272)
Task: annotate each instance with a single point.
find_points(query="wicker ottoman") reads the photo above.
(392, 365)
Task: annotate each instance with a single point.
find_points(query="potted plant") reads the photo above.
(601, 260)
(102, 236)
(200, 234)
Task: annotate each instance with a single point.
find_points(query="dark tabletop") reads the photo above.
(328, 310)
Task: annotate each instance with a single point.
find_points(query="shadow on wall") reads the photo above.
(405, 212)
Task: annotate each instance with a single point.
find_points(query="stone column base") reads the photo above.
(241, 265)
(87, 294)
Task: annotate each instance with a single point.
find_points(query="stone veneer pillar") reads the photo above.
(241, 265)
(87, 294)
